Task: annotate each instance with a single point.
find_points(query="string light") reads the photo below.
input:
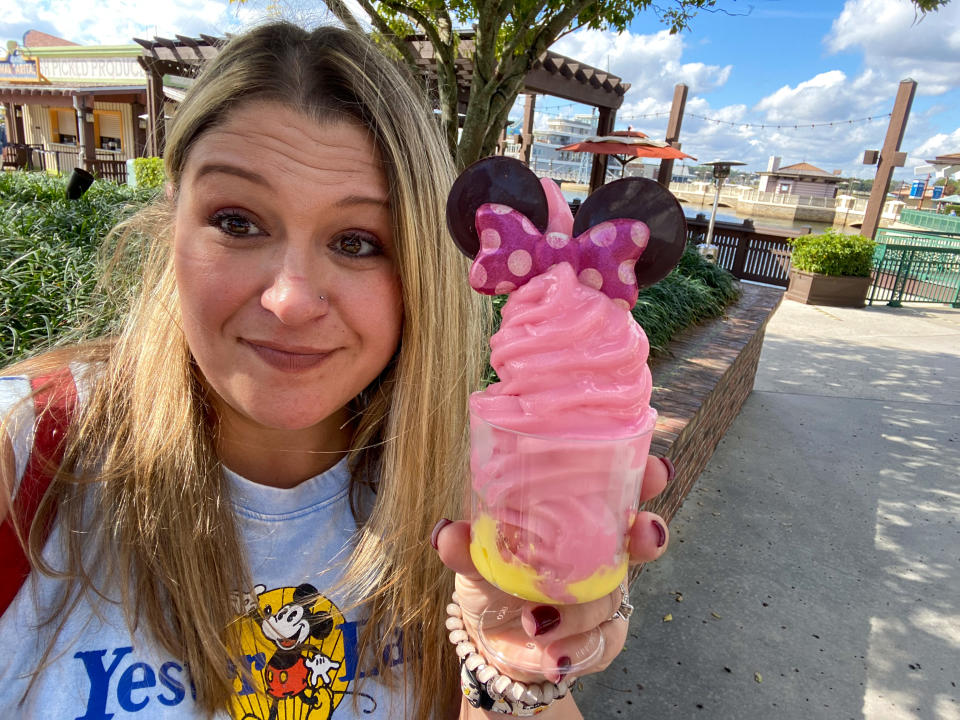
(731, 123)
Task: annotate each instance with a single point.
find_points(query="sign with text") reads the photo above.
(916, 190)
(15, 68)
(938, 192)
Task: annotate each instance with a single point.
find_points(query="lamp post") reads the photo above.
(721, 171)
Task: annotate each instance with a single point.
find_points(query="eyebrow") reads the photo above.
(362, 200)
(213, 168)
(254, 177)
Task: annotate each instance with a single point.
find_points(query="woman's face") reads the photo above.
(286, 268)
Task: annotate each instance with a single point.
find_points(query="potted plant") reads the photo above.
(830, 269)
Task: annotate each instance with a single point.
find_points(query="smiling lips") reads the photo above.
(288, 358)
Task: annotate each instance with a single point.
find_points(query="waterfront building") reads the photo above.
(799, 179)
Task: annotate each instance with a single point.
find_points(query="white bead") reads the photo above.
(474, 661)
(459, 636)
(464, 649)
(456, 599)
(516, 691)
(453, 610)
(533, 694)
(486, 674)
(501, 684)
(454, 623)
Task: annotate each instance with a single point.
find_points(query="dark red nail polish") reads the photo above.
(671, 470)
(563, 665)
(436, 531)
(661, 533)
(546, 618)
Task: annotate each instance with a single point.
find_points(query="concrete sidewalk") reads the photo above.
(814, 570)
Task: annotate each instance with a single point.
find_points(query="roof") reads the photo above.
(952, 159)
(552, 74)
(22, 93)
(36, 38)
(803, 169)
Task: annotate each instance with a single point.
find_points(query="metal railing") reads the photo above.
(60, 161)
(916, 273)
(746, 253)
(915, 238)
(931, 220)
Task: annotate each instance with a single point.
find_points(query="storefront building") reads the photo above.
(67, 105)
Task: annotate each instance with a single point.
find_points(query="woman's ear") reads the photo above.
(498, 179)
(648, 201)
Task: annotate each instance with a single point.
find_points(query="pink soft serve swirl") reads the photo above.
(572, 364)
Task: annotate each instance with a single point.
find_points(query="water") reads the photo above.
(760, 221)
(729, 215)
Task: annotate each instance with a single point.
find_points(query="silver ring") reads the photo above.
(626, 609)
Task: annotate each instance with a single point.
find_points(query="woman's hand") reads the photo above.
(559, 630)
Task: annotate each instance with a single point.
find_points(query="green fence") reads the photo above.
(916, 273)
(888, 236)
(931, 220)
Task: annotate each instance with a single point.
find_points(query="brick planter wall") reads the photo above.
(700, 385)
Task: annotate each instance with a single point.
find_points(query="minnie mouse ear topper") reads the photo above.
(627, 235)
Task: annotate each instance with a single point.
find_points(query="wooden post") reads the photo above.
(21, 136)
(665, 174)
(890, 157)
(88, 153)
(598, 173)
(156, 124)
(139, 133)
(10, 113)
(526, 136)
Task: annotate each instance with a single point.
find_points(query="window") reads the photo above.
(109, 129)
(63, 124)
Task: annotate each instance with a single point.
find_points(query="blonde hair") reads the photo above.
(162, 515)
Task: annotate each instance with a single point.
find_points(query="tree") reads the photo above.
(508, 38)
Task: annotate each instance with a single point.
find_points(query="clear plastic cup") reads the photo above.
(550, 520)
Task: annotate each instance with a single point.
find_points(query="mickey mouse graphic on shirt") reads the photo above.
(294, 653)
(296, 668)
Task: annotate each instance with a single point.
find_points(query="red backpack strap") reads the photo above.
(54, 398)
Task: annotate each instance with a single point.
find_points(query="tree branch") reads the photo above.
(343, 14)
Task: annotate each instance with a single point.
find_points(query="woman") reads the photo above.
(255, 462)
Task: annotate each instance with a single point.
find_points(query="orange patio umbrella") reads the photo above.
(627, 145)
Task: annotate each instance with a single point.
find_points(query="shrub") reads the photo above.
(833, 253)
(50, 259)
(148, 172)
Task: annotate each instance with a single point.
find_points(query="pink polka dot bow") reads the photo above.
(513, 250)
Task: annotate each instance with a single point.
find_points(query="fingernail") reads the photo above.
(436, 531)
(671, 470)
(563, 665)
(546, 619)
(661, 533)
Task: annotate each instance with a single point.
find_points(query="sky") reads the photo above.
(805, 80)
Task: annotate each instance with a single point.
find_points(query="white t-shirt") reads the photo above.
(300, 648)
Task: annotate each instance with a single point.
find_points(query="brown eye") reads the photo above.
(355, 244)
(235, 224)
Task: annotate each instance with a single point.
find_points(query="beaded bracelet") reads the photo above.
(487, 688)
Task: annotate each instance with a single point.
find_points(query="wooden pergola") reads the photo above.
(553, 74)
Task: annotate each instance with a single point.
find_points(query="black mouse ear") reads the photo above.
(646, 200)
(495, 179)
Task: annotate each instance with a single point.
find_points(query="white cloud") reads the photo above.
(650, 63)
(938, 144)
(896, 46)
(117, 22)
